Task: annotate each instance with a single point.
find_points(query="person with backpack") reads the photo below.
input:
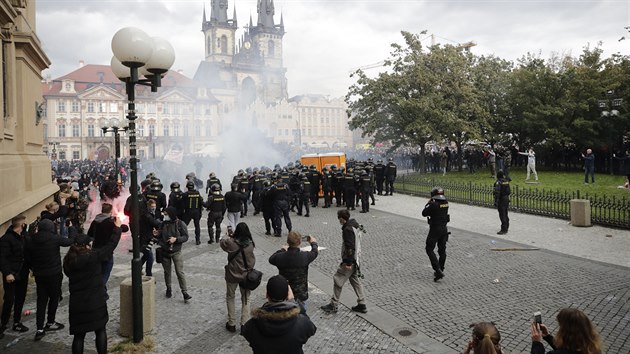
(349, 267)
(171, 236)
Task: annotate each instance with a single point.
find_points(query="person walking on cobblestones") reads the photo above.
(240, 248)
(171, 237)
(437, 212)
(502, 201)
(293, 264)
(348, 269)
(278, 327)
(485, 339)
(576, 334)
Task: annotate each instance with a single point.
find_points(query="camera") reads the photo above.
(230, 232)
(306, 238)
(151, 243)
(538, 317)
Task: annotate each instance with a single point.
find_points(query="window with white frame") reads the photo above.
(90, 130)
(90, 107)
(140, 130)
(61, 106)
(75, 106)
(75, 130)
(61, 130)
(176, 129)
(113, 107)
(166, 130)
(102, 107)
(151, 130)
(75, 155)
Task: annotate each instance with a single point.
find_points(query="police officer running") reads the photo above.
(437, 212)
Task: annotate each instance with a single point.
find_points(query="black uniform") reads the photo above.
(192, 211)
(216, 211)
(266, 205)
(243, 187)
(159, 197)
(315, 179)
(327, 180)
(176, 200)
(294, 186)
(281, 198)
(212, 181)
(349, 190)
(437, 212)
(305, 195)
(390, 176)
(338, 182)
(365, 188)
(379, 175)
(257, 187)
(502, 202)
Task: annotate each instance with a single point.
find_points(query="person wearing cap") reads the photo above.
(278, 326)
(87, 309)
(436, 210)
(171, 236)
(502, 200)
(293, 264)
(43, 254)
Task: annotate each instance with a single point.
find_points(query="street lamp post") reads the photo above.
(115, 129)
(610, 108)
(134, 49)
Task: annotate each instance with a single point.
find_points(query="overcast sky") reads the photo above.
(326, 39)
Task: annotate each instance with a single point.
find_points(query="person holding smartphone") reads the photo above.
(576, 334)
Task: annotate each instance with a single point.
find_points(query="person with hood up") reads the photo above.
(348, 269)
(240, 248)
(42, 252)
(87, 310)
(278, 327)
(171, 236)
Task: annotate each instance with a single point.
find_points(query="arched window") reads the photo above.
(223, 44)
(271, 48)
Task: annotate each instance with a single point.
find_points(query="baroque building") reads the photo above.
(25, 178)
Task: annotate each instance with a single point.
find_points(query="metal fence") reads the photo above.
(605, 210)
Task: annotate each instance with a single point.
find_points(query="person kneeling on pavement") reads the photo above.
(278, 327)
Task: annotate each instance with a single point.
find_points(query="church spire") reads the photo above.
(218, 11)
(265, 13)
(204, 13)
(234, 16)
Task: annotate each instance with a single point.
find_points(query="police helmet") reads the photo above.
(370, 159)
(145, 183)
(437, 193)
(256, 169)
(241, 173)
(212, 175)
(266, 183)
(379, 161)
(364, 173)
(156, 186)
(350, 170)
(175, 186)
(190, 175)
(150, 175)
(390, 159)
(248, 170)
(215, 187)
(313, 167)
(290, 165)
(190, 185)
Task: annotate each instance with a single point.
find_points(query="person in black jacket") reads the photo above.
(42, 253)
(54, 211)
(171, 237)
(101, 231)
(436, 210)
(149, 221)
(234, 202)
(266, 205)
(193, 204)
(502, 201)
(14, 273)
(293, 264)
(281, 199)
(87, 310)
(216, 210)
(278, 327)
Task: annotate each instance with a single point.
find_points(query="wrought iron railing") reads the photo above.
(605, 210)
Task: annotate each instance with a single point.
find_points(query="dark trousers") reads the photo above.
(365, 201)
(350, 194)
(327, 198)
(281, 210)
(303, 202)
(256, 201)
(338, 196)
(106, 271)
(315, 196)
(48, 292)
(268, 216)
(379, 185)
(503, 214)
(214, 220)
(438, 238)
(195, 216)
(147, 256)
(589, 171)
(14, 296)
(389, 186)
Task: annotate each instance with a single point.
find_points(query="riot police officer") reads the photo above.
(257, 187)
(349, 189)
(155, 192)
(437, 212)
(390, 177)
(365, 188)
(315, 179)
(212, 179)
(304, 195)
(379, 175)
(176, 199)
(193, 202)
(339, 183)
(502, 200)
(327, 188)
(281, 198)
(216, 211)
(266, 206)
(294, 186)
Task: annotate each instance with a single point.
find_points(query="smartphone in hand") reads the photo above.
(537, 317)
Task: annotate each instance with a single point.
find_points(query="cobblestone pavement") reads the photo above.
(408, 312)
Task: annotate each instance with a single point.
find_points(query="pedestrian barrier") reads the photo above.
(605, 210)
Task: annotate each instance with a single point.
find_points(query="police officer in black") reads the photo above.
(193, 202)
(155, 192)
(295, 183)
(365, 188)
(379, 175)
(304, 195)
(390, 177)
(437, 212)
(339, 179)
(327, 180)
(176, 199)
(349, 189)
(212, 179)
(243, 187)
(502, 200)
(281, 198)
(216, 211)
(257, 188)
(370, 170)
(315, 179)
(266, 206)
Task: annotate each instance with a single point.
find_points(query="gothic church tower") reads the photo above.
(219, 33)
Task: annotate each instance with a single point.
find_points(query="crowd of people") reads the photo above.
(163, 223)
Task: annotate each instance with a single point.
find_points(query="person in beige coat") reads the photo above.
(240, 248)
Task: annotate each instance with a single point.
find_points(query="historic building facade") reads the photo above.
(25, 178)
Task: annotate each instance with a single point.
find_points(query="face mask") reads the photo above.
(167, 218)
(152, 210)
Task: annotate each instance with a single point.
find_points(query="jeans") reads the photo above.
(589, 170)
(106, 271)
(48, 292)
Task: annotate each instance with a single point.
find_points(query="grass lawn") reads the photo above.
(605, 185)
